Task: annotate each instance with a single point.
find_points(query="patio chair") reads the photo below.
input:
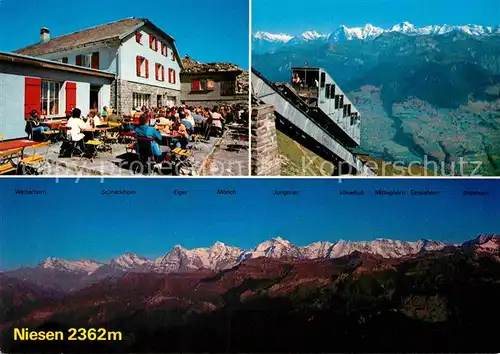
(182, 158)
(92, 149)
(6, 163)
(35, 163)
(126, 137)
(196, 141)
(144, 148)
(69, 148)
(50, 135)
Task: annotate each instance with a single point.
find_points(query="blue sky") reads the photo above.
(207, 30)
(296, 16)
(74, 221)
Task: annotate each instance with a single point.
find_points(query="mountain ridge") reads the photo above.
(368, 31)
(220, 256)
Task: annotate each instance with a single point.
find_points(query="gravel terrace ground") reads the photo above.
(115, 163)
(230, 158)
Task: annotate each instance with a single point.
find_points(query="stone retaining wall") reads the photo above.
(265, 156)
(125, 90)
(242, 101)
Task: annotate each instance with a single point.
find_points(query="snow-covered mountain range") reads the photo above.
(220, 256)
(265, 42)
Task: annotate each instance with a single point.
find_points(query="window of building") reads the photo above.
(323, 80)
(227, 88)
(159, 72)
(171, 101)
(138, 37)
(153, 43)
(347, 110)
(337, 101)
(341, 101)
(88, 60)
(196, 85)
(142, 67)
(164, 49)
(210, 85)
(159, 101)
(50, 98)
(172, 54)
(332, 91)
(172, 76)
(327, 91)
(141, 100)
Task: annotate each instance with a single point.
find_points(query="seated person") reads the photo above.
(77, 124)
(34, 124)
(189, 117)
(296, 79)
(146, 131)
(217, 119)
(183, 137)
(104, 113)
(163, 120)
(97, 121)
(113, 117)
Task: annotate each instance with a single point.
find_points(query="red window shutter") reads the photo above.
(162, 73)
(79, 60)
(151, 39)
(95, 60)
(70, 95)
(175, 76)
(169, 75)
(156, 71)
(147, 68)
(32, 95)
(138, 61)
(138, 37)
(173, 55)
(156, 45)
(196, 85)
(65, 60)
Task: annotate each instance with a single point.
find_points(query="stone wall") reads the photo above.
(113, 91)
(242, 101)
(265, 155)
(126, 90)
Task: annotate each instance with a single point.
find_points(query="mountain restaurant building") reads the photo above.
(50, 87)
(143, 59)
(211, 84)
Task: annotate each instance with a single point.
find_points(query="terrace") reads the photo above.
(114, 149)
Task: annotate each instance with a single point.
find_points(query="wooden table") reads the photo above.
(54, 124)
(101, 129)
(15, 144)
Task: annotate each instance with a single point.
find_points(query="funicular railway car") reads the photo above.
(330, 107)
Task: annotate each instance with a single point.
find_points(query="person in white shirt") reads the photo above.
(189, 117)
(77, 124)
(217, 119)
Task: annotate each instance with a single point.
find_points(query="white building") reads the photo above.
(143, 58)
(52, 88)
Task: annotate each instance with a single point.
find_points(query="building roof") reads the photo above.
(113, 30)
(50, 64)
(194, 67)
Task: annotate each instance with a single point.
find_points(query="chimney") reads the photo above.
(44, 35)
